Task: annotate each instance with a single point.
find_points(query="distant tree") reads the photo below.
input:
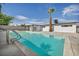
(4, 19)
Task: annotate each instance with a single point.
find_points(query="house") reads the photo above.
(36, 27)
(70, 27)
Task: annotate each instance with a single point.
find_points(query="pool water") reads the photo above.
(41, 44)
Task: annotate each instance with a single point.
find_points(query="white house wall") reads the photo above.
(46, 28)
(59, 28)
(35, 28)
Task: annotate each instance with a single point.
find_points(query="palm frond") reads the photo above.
(51, 10)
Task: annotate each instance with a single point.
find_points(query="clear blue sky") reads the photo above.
(32, 13)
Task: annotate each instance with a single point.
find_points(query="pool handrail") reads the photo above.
(18, 35)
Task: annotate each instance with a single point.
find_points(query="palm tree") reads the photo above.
(50, 11)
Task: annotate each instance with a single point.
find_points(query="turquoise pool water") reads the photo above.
(41, 44)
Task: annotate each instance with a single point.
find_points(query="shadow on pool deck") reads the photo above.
(10, 50)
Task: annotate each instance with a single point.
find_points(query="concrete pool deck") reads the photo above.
(71, 46)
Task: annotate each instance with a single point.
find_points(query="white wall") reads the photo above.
(59, 28)
(46, 28)
(36, 28)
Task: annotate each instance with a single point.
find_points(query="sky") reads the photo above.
(37, 13)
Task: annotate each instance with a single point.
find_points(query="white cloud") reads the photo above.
(20, 17)
(71, 10)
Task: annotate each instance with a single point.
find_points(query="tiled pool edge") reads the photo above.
(25, 51)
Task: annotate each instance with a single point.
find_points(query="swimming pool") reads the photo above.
(41, 44)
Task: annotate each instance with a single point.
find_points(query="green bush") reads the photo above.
(4, 19)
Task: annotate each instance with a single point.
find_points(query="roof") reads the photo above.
(61, 23)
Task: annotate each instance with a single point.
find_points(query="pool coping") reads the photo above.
(26, 51)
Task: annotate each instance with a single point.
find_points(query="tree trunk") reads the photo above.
(50, 25)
